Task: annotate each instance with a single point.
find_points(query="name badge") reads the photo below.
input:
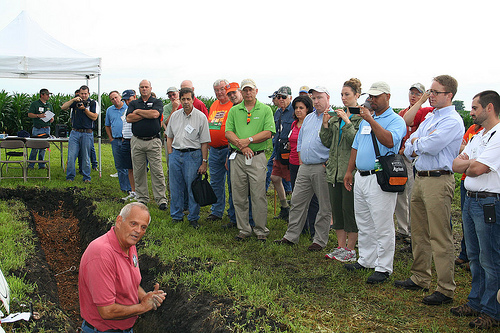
(232, 156)
(150, 105)
(41, 109)
(189, 128)
(366, 130)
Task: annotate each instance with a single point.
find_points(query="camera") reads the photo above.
(85, 104)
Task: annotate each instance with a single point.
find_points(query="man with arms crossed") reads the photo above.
(248, 127)
(144, 114)
(109, 276)
(481, 212)
(436, 143)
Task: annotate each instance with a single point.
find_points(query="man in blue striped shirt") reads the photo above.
(436, 143)
(311, 178)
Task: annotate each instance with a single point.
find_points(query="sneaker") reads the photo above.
(483, 322)
(95, 169)
(334, 253)
(377, 277)
(464, 311)
(131, 195)
(346, 255)
(163, 206)
(115, 175)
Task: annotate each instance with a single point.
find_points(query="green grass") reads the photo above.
(300, 289)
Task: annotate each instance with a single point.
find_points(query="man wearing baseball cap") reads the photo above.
(304, 91)
(374, 208)
(311, 178)
(37, 113)
(283, 119)
(248, 127)
(125, 151)
(175, 104)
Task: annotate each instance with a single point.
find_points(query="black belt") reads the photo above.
(221, 147)
(367, 173)
(147, 138)
(83, 130)
(254, 153)
(118, 138)
(187, 150)
(86, 323)
(125, 139)
(482, 194)
(433, 173)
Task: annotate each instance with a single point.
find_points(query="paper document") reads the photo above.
(48, 116)
(13, 317)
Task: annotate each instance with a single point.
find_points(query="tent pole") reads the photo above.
(99, 121)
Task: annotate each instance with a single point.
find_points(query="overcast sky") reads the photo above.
(275, 43)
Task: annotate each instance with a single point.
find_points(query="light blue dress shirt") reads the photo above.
(390, 121)
(114, 119)
(312, 151)
(439, 138)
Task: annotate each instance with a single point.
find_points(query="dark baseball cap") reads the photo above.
(127, 94)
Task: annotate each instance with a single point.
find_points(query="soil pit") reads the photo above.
(54, 269)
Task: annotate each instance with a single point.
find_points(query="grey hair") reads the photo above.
(124, 213)
(219, 81)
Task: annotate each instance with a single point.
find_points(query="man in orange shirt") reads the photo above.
(218, 147)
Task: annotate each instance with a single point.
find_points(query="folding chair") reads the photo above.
(39, 144)
(13, 150)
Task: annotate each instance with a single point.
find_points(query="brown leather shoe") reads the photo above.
(283, 241)
(315, 247)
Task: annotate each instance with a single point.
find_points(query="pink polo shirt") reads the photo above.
(107, 276)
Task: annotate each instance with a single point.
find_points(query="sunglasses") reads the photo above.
(281, 97)
(248, 117)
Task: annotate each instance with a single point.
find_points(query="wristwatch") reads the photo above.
(205, 160)
(250, 139)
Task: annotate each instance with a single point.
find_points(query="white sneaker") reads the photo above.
(131, 196)
(334, 253)
(346, 255)
(115, 175)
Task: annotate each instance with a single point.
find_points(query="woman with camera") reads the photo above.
(337, 133)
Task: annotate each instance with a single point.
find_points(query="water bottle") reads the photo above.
(378, 166)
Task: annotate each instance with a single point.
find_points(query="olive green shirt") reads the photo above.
(340, 151)
(38, 107)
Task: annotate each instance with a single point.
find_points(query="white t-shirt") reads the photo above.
(485, 148)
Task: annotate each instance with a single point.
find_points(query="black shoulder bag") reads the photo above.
(393, 174)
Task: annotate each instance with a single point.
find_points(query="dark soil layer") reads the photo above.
(65, 224)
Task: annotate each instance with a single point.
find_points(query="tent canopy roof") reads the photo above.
(27, 51)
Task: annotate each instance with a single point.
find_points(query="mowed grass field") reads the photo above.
(301, 289)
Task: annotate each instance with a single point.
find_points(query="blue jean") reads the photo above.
(116, 146)
(230, 210)
(40, 152)
(79, 143)
(87, 329)
(463, 247)
(182, 170)
(92, 156)
(483, 251)
(217, 164)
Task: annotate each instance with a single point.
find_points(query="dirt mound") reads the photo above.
(54, 269)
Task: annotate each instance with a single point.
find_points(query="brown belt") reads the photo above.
(433, 173)
(83, 130)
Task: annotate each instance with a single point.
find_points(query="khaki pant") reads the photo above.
(143, 152)
(245, 178)
(403, 203)
(431, 233)
(311, 179)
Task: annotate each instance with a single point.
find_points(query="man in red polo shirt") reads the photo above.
(108, 283)
(197, 103)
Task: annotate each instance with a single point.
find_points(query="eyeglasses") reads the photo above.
(220, 90)
(248, 117)
(281, 97)
(435, 92)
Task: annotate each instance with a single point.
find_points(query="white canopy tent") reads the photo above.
(28, 52)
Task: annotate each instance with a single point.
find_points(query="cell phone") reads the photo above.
(489, 213)
(353, 110)
(332, 113)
